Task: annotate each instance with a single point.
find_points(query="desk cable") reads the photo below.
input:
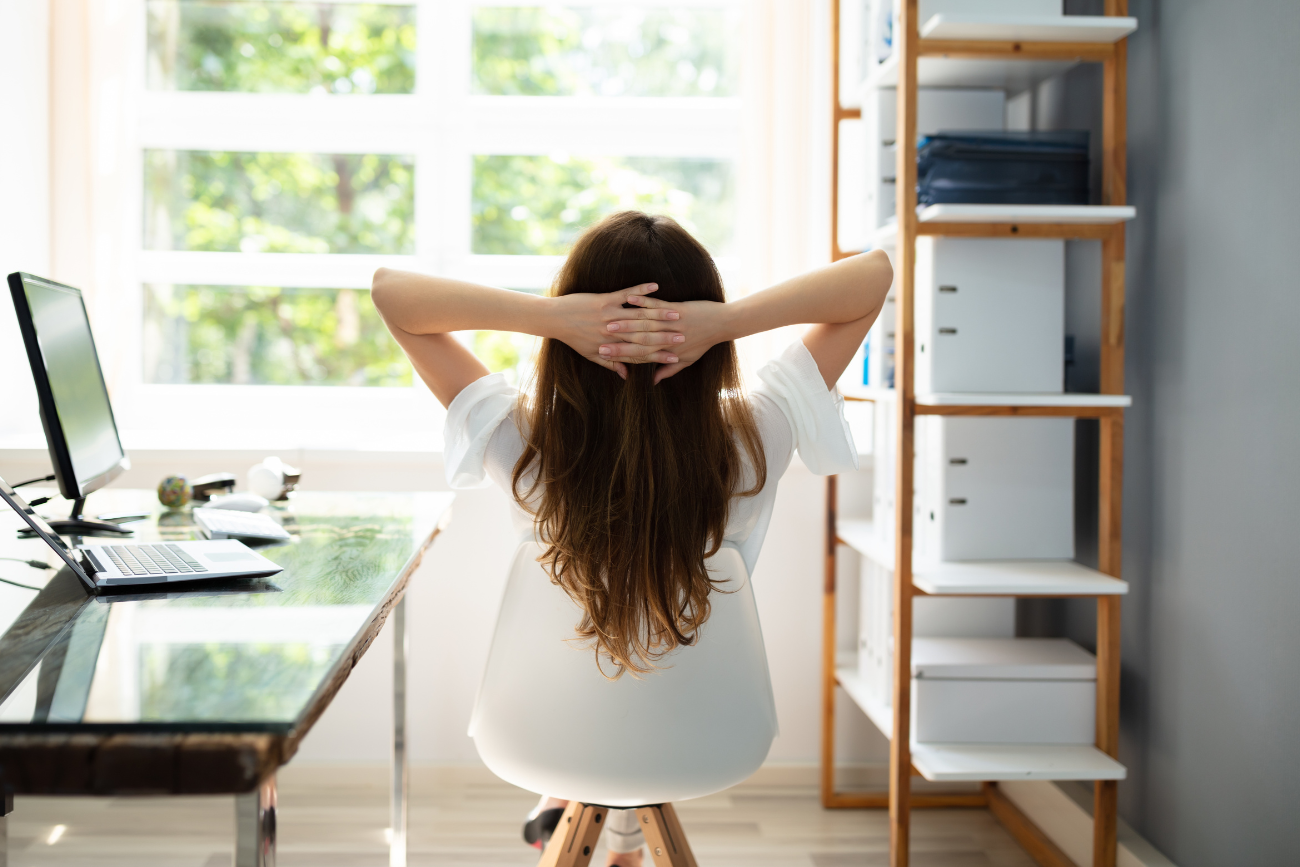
(35, 564)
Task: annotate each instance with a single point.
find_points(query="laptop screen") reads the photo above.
(42, 529)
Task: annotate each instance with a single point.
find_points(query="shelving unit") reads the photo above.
(974, 51)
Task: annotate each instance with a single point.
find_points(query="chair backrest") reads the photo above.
(548, 721)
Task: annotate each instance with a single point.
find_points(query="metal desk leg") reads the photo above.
(401, 763)
(255, 827)
(6, 807)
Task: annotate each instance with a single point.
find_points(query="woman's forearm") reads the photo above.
(846, 291)
(419, 304)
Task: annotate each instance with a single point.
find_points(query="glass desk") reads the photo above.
(205, 690)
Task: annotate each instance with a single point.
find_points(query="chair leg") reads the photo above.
(575, 837)
(664, 836)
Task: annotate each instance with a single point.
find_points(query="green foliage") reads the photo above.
(279, 203)
(235, 682)
(281, 47)
(346, 203)
(604, 51)
(265, 335)
(337, 560)
(537, 205)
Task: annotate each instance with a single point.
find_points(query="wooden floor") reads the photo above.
(466, 818)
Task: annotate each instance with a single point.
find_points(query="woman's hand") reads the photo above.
(589, 323)
(701, 325)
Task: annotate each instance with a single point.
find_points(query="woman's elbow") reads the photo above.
(882, 270)
(381, 289)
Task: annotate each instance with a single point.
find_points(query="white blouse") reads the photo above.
(792, 407)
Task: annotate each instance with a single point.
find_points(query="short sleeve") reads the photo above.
(816, 413)
(474, 415)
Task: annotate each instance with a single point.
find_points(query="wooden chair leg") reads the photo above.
(664, 836)
(575, 837)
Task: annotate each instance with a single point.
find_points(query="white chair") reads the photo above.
(547, 721)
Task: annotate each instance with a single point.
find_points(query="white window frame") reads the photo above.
(442, 125)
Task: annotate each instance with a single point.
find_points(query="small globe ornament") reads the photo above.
(174, 492)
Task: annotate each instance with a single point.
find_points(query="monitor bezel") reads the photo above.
(71, 487)
(38, 526)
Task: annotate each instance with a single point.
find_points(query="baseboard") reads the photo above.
(1063, 812)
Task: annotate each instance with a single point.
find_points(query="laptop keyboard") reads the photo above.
(151, 559)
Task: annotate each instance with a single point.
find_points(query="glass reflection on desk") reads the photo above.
(252, 652)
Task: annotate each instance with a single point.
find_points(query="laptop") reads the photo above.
(102, 567)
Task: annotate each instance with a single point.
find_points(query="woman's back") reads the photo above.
(792, 410)
(630, 482)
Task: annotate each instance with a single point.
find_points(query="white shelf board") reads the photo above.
(983, 577)
(1013, 76)
(880, 714)
(973, 398)
(1015, 578)
(863, 392)
(884, 237)
(981, 762)
(1031, 28)
(860, 535)
(986, 762)
(887, 235)
(1092, 214)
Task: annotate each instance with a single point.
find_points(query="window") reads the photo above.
(287, 149)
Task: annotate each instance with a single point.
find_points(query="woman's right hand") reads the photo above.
(590, 324)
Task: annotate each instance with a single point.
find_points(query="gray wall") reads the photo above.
(1211, 685)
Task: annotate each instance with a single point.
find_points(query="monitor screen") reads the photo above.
(76, 384)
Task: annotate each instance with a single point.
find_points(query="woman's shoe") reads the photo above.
(538, 830)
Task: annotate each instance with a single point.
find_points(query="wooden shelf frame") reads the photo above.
(900, 801)
(979, 49)
(1064, 409)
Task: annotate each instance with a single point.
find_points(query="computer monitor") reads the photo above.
(80, 430)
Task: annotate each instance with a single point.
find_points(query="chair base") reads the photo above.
(575, 837)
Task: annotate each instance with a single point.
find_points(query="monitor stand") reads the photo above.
(78, 524)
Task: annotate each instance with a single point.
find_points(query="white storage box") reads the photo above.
(1018, 690)
(878, 371)
(873, 364)
(990, 315)
(994, 488)
(968, 617)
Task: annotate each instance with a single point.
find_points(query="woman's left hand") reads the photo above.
(702, 325)
(590, 324)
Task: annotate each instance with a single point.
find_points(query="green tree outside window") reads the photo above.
(605, 51)
(280, 47)
(279, 202)
(267, 335)
(537, 205)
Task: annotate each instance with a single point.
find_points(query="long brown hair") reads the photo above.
(636, 479)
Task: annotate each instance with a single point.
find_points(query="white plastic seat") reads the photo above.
(548, 721)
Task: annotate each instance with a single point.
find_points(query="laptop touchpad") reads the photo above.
(227, 556)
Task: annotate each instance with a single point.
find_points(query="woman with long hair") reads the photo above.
(637, 454)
